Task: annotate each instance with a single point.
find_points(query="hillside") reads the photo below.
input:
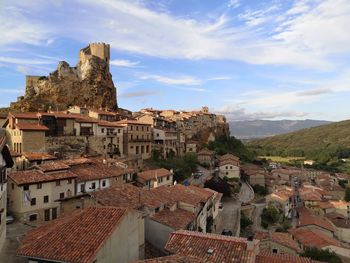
(263, 128)
(330, 139)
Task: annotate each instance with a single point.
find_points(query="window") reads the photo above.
(82, 188)
(46, 199)
(58, 183)
(168, 178)
(39, 186)
(47, 214)
(147, 148)
(103, 130)
(54, 213)
(33, 201)
(137, 128)
(93, 186)
(25, 187)
(13, 186)
(61, 195)
(69, 181)
(226, 173)
(274, 251)
(103, 183)
(33, 217)
(118, 130)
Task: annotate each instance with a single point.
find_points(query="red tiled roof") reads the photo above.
(77, 161)
(206, 152)
(32, 156)
(104, 112)
(308, 218)
(153, 174)
(109, 124)
(53, 166)
(31, 127)
(266, 257)
(178, 219)
(35, 176)
(128, 121)
(77, 237)
(228, 157)
(25, 115)
(58, 115)
(278, 237)
(127, 195)
(87, 172)
(338, 220)
(173, 259)
(197, 244)
(312, 238)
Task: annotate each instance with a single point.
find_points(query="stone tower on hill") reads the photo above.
(89, 83)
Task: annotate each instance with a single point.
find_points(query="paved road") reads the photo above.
(228, 217)
(201, 180)
(256, 217)
(14, 233)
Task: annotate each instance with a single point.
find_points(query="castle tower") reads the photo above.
(100, 50)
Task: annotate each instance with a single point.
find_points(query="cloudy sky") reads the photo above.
(249, 59)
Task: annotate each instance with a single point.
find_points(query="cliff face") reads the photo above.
(89, 83)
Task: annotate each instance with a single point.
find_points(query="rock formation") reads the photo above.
(89, 83)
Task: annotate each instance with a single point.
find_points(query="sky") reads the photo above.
(247, 59)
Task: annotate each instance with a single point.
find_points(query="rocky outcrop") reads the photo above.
(89, 83)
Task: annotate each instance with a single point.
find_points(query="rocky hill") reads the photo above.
(264, 128)
(89, 83)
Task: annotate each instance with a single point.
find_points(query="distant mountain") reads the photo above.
(264, 128)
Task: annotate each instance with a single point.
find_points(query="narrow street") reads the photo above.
(256, 217)
(201, 180)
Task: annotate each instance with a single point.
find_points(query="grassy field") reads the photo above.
(280, 159)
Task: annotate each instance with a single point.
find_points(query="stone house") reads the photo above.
(277, 242)
(283, 199)
(6, 163)
(28, 159)
(341, 225)
(155, 178)
(229, 166)
(137, 140)
(256, 175)
(32, 194)
(206, 156)
(87, 236)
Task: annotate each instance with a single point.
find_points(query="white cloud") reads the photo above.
(22, 69)
(25, 61)
(234, 3)
(124, 63)
(183, 80)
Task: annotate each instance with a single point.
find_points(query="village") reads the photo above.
(81, 185)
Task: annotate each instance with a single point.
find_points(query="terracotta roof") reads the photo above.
(31, 127)
(31, 156)
(52, 166)
(228, 157)
(206, 152)
(266, 257)
(153, 174)
(109, 124)
(178, 219)
(283, 193)
(325, 205)
(35, 176)
(87, 172)
(179, 193)
(104, 112)
(76, 238)
(308, 218)
(278, 237)
(310, 195)
(25, 115)
(312, 238)
(58, 115)
(77, 161)
(173, 259)
(128, 121)
(211, 247)
(338, 220)
(127, 195)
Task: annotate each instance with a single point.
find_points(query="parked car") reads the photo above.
(226, 232)
(9, 219)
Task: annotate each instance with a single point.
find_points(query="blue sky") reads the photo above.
(248, 59)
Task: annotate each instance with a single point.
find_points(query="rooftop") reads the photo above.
(312, 238)
(278, 237)
(74, 238)
(53, 166)
(32, 156)
(153, 174)
(210, 247)
(31, 127)
(178, 219)
(24, 115)
(306, 218)
(266, 257)
(338, 220)
(173, 259)
(35, 176)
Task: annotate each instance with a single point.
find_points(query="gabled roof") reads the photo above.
(312, 238)
(77, 237)
(53, 166)
(24, 115)
(153, 174)
(32, 156)
(206, 152)
(36, 176)
(173, 259)
(177, 219)
(31, 127)
(129, 121)
(307, 218)
(210, 247)
(266, 257)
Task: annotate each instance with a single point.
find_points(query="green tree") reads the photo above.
(321, 255)
(347, 194)
(269, 216)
